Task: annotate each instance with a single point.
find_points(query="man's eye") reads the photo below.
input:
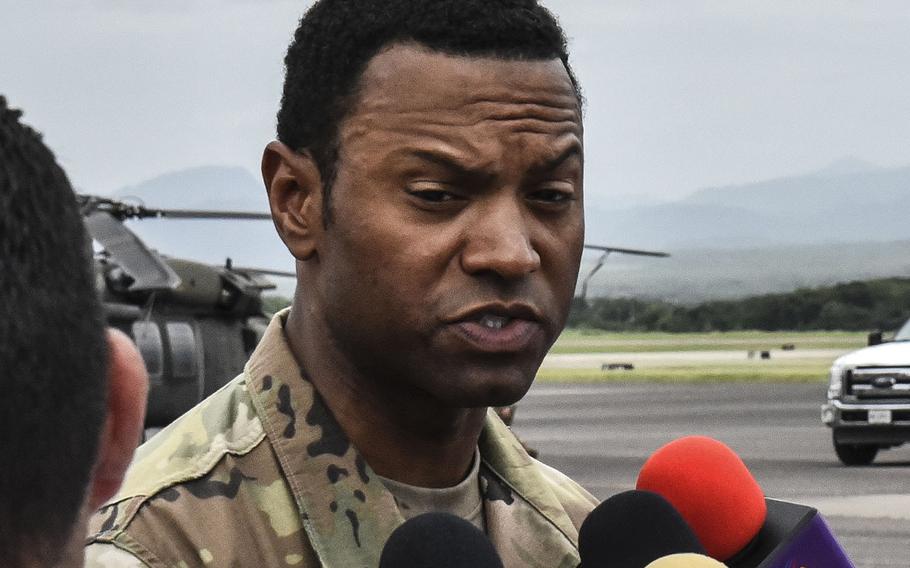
(551, 196)
(433, 195)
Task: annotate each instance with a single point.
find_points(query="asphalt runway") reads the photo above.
(600, 435)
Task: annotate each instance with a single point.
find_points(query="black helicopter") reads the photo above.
(195, 323)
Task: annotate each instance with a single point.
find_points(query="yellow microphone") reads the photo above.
(686, 560)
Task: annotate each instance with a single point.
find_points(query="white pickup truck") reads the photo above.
(868, 406)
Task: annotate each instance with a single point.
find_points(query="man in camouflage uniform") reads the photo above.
(428, 180)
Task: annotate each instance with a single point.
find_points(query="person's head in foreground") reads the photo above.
(427, 178)
(72, 396)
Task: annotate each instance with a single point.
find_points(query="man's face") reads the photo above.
(457, 224)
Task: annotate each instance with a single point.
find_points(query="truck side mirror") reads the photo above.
(875, 338)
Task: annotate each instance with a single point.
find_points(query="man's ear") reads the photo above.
(127, 391)
(295, 190)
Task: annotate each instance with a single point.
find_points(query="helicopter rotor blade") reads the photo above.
(143, 265)
(636, 252)
(265, 271)
(151, 272)
(203, 214)
(605, 253)
(122, 210)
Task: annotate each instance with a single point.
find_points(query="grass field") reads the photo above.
(697, 357)
(593, 341)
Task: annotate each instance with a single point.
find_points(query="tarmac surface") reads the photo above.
(600, 435)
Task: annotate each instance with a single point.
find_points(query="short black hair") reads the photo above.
(52, 350)
(337, 38)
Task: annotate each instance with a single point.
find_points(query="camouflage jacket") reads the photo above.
(260, 474)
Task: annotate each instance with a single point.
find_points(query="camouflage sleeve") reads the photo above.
(576, 500)
(104, 555)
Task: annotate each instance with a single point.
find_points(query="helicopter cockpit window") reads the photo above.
(183, 349)
(147, 336)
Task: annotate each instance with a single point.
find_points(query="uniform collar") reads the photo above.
(346, 510)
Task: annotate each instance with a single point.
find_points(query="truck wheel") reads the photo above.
(855, 454)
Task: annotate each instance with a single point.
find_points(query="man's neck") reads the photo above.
(402, 433)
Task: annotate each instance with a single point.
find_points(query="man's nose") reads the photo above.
(499, 242)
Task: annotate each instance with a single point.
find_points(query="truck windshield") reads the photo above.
(904, 333)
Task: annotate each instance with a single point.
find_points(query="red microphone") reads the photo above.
(711, 488)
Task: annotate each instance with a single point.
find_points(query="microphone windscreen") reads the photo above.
(686, 560)
(438, 540)
(713, 490)
(632, 529)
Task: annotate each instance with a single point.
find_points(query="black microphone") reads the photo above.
(438, 540)
(634, 529)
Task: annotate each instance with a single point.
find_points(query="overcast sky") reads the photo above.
(682, 94)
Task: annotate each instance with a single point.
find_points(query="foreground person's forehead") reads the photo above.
(413, 77)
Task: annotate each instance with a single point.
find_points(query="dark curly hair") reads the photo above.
(337, 38)
(52, 350)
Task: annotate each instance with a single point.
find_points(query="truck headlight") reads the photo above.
(836, 381)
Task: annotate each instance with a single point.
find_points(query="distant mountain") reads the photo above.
(207, 187)
(726, 242)
(697, 275)
(849, 201)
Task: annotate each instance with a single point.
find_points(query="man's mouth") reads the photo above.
(490, 321)
(498, 328)
(496, 315)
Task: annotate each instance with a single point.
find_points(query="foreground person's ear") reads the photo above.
(127, 391)
(294, 185)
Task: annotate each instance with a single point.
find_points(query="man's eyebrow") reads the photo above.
(550, 164)
(459, 169)
(467, 172)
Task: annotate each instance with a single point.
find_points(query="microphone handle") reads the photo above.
(815, 545)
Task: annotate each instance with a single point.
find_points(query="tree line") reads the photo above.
(853, 306)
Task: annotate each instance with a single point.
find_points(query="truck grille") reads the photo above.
(878, 382)
(863, 416)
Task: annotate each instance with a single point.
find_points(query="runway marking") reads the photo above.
(588, 390)
(881, 506)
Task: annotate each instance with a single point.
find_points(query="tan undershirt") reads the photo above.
(462, 500)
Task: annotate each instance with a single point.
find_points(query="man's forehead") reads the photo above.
(409, 75)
